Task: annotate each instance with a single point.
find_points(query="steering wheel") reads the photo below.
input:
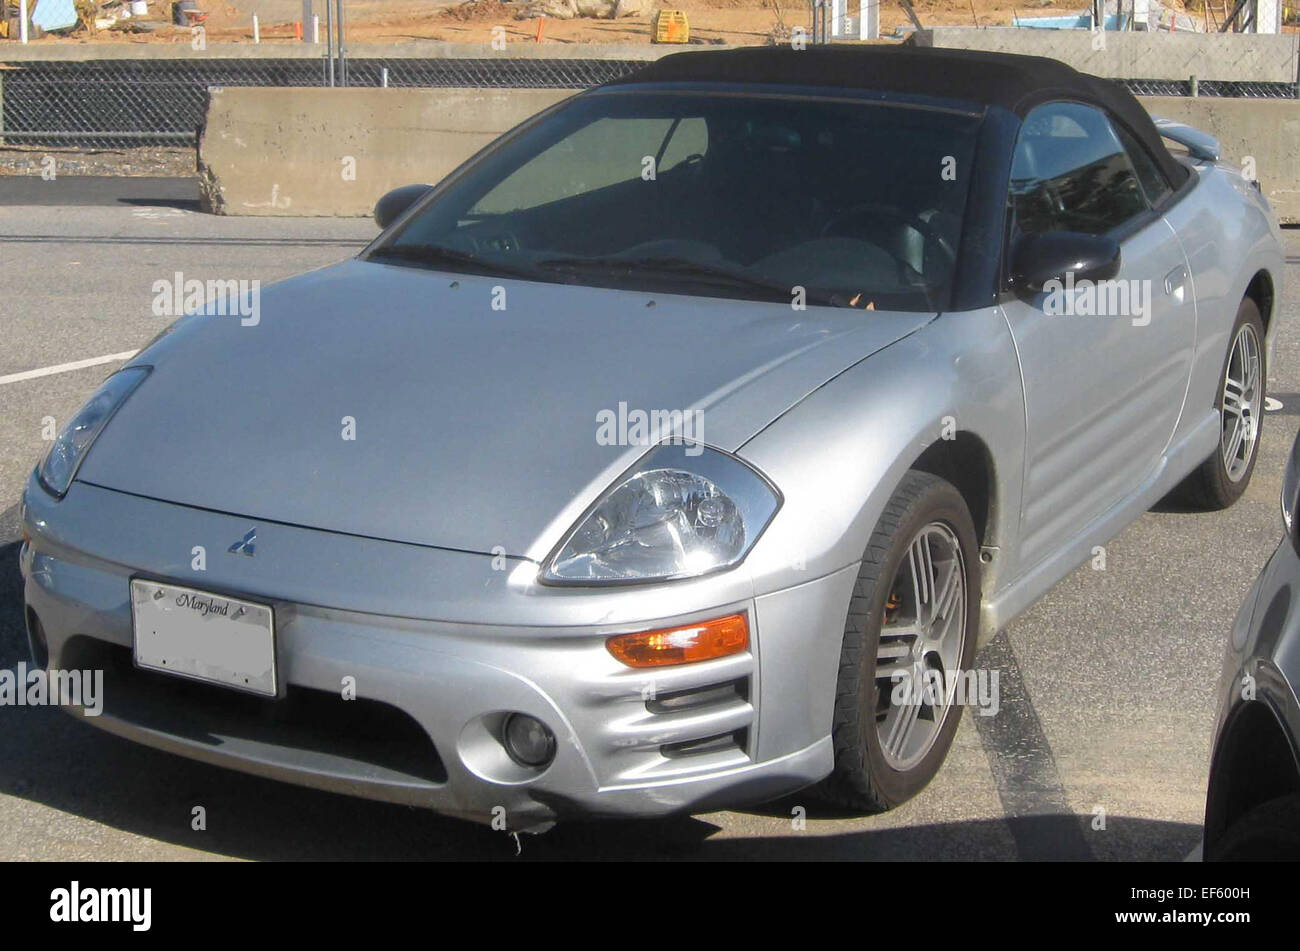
(928, 232)
(1052, 198)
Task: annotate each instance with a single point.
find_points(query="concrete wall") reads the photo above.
(1237, 57)
(1266, 130)
(284, 151)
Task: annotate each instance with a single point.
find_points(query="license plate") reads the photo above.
(204, 636)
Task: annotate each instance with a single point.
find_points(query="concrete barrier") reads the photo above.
(1227, 57)
(297, 151)
(285, 151)
(1267, 131)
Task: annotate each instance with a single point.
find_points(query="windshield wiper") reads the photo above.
(687, 268)
(434, 255)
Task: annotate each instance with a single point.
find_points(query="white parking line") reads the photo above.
(65, 367)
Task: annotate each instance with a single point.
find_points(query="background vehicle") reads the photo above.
(1252, 808)
(862, 270)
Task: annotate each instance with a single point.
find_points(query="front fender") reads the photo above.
(840, 453)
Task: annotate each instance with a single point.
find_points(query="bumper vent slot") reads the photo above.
(726, 742)
(700, 698)
(720, 712)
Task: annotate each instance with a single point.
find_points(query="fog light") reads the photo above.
(528, 740)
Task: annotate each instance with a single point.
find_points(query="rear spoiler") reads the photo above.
(1200, 145)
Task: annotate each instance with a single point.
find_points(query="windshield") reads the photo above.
(767, 197)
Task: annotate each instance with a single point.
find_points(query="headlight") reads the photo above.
(60, 463)
(673, 516)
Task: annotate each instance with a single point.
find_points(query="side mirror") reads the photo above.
(1051, 256)
(389, 208)
(1291, 495)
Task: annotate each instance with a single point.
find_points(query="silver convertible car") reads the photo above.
(676, 451)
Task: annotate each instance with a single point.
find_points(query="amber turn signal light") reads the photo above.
(682, 645)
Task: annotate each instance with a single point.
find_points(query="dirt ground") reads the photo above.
(167, 161)
(711, 21)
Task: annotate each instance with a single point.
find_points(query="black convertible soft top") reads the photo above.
(1016, 83)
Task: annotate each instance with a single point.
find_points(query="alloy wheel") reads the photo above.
(1242, 403)
(922, 639)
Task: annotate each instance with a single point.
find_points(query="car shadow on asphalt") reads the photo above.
(49, 758)
(182, 204)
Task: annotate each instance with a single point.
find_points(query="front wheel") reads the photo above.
(908, 640)
(1222, 478)
(1268, 833)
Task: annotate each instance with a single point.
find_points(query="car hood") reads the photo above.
(475, 426)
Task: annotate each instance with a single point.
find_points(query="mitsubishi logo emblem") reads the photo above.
(245, 546)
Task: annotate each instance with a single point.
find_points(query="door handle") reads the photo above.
(1176, 283)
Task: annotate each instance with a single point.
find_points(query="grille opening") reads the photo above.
(723, 742)
(377, 738)
(697, 698)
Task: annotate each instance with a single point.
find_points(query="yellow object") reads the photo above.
(671, 27)
(682, 645)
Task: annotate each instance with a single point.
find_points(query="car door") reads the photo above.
(1104, 366)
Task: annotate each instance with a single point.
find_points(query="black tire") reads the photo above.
(862, 778)
(1209, 488)
(1268, 833)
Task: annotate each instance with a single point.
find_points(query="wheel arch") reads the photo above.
(967, 463)
(1254, 762)
(1261, 290)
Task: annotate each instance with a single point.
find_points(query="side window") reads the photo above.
(1153, 180)
(1070, 172)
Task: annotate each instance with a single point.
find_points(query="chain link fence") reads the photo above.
(1212, 88)
(126, 103)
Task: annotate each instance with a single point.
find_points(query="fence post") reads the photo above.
(329, 40)
(869, 20)
(343, 61)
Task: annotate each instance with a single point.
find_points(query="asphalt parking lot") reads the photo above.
(1107, 684)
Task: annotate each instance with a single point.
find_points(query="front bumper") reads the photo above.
(438, 647)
